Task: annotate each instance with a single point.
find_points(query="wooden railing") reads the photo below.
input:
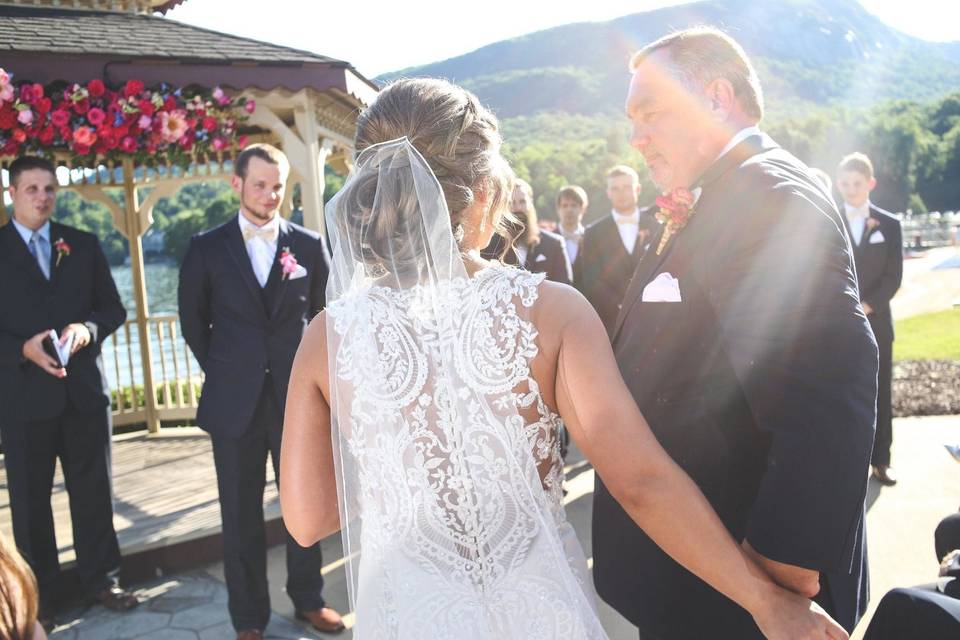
(177, 377)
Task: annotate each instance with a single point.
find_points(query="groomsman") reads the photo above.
(56, 277)
(571, 205)
(247, 291)
(534, 249)
(613, 245)
(877, 242)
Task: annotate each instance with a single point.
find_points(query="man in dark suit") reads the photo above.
(613, 245)
(742, 339)
(247, 291)
(56, 278)
(533, 248)
(878, 255)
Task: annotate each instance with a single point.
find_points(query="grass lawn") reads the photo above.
(932, 336)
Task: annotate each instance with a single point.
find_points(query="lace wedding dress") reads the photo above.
(448, 459)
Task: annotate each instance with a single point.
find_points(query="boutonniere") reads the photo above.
(62, 249)
(288, 261)
(676, 208)
(872, 223)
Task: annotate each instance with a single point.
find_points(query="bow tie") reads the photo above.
(634, 219)
(863, 212)
(269, 234)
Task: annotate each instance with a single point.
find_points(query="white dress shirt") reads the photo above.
(261, 251)
(572, 239)
(521, 250)
(739, 137)
(628, 226)
(857, 217)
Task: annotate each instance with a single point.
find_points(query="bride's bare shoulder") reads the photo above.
(560, 306)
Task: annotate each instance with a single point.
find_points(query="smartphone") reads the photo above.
(51, 350)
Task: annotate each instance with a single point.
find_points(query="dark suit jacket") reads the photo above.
(548, 256)
(240, 332)
(80, 289)
(603, 268)
(879, 268)
(761, 383)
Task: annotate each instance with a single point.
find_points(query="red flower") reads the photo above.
(133, 88)
(46, 135)
(96, 116)
(96, 87)
(146, 107)
(170, 104)
(84, 136)
(60, 118)
(81, 149)
(10, 149)
(43, 105)
(129, 144)
(8, 117)
(30, 93)
(62, 249)
(242, 141)
(186, 142)
(19, 135)
(81, 106)
(209, 123)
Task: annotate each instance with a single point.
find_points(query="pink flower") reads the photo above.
(96, 116)
(220, 96)
(218, 144)
(96, 87)
(84, 136)
(173, 125)
(133, 88)
(288, 261)
(129, 144)
(250, 107)
(144, 122)
(25, 117)
(209, 123)
(60, 118)
(6, 87)
(677, 200)
(242, 141)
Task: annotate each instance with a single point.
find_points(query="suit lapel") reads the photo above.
(20, 255)
(56, 233)
(277, 282)
(648, 264)
(238, 251)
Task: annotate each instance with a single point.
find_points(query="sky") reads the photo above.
(387, 35)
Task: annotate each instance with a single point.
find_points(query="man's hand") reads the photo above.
(867, 309)
(80, 333)
(33, 351)
(805, 582)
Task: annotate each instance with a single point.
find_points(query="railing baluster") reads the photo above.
(163, 364)
(172, 328)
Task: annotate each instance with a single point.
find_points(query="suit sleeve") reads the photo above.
(889, 282)
(564, 270)
(108, 312)
(193, 296)
(318, 287)
(781, 285)
(11, 349)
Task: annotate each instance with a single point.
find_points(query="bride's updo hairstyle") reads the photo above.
(460, 140)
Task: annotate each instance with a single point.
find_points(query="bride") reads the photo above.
(425, 402)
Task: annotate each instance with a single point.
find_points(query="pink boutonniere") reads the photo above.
(288, 261)
(676, 208)
(62, 249)
(872, 223)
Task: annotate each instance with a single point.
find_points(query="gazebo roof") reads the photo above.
(120, 46)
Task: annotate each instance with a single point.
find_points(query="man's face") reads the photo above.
(519, 201)
(623, 192)
(33, 197)
(570, 212)
(261, 191)
(670, 124)
(855, 187)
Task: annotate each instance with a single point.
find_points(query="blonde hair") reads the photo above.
(18, 594)
(457, 136)
(700, 55)
(573, 192)
(857, 161)
(623, 170)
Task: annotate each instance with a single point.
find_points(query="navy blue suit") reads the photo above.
(245, 337)
(760, 382)
(44, 417)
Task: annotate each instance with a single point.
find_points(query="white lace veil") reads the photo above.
(447, 530)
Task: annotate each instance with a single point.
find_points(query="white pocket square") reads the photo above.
(877, 238)
(299, 272)
(663, 288)
(541, 258)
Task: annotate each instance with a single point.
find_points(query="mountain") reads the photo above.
(808, 53)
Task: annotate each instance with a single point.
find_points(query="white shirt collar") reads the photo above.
(26, 232)
(635, 216)
(862, 211)
(739, 137)
(273, 224)
(576, 232)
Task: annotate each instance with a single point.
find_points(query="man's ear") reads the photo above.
(722, 99)
(872, 184)
(237, 183)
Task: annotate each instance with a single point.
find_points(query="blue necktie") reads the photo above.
(40, 252)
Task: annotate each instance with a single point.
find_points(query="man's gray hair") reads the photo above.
(700, 55)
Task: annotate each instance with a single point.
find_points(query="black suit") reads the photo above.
(44, 417)
(245, 338)
(548, 256)
(760, 383)
(603, 268)
(879, 261)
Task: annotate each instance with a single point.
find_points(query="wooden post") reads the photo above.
(135, 233)
(311, 174)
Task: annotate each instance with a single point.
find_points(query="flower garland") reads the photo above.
(93, 120)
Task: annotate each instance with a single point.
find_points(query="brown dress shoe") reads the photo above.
(326, 619)
(250, 634)
(885, 475)
(117, 599)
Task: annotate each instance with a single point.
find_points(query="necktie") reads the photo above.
(268, 234)
(37, 246)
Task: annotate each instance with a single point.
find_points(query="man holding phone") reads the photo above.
(56, 280)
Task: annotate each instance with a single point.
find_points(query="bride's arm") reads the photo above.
(606, 424)
(308, 485)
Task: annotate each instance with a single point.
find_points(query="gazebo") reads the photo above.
(302, 102)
